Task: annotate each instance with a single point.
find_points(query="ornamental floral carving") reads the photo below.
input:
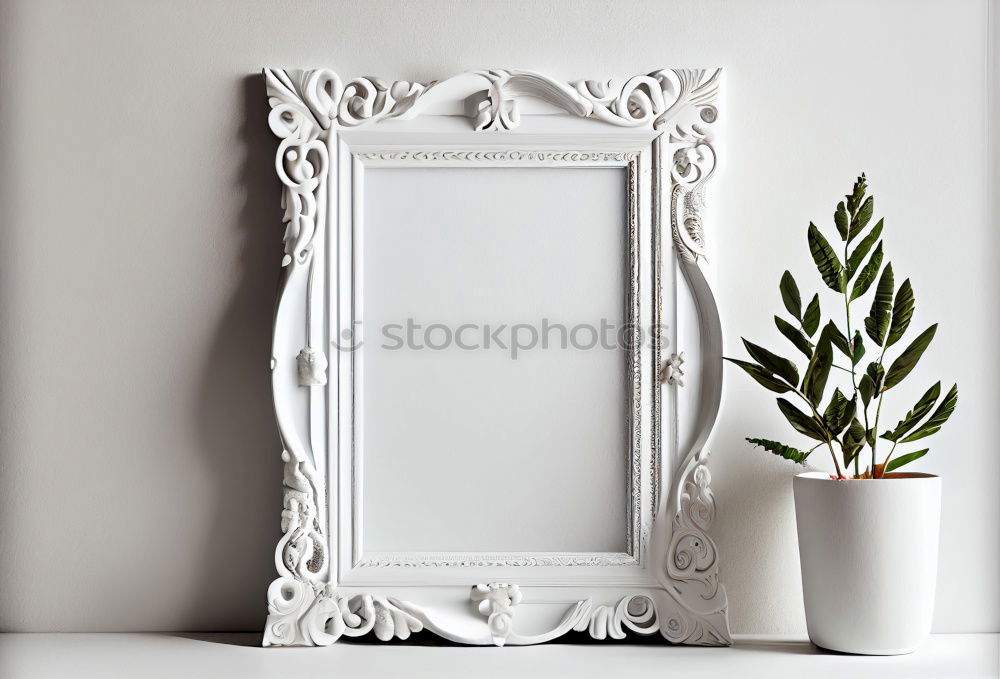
(301, 615)
(496, 601)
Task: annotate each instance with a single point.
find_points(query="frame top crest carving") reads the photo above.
(492, 99)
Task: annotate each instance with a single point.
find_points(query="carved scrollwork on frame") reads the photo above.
(672, 115)
(310, 615)
(686, 209)
(303, 615)
(692, 552)
(672, 371)
(649, 100)
(496, 601)
(645, 100)
(302, 164)
(635, 613)
(302, 548)
(692, 607)
(693, 162)
(312, 365)
(692, 566)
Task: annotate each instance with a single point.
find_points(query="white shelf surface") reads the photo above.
(219, 656)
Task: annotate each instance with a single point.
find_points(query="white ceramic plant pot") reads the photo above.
(868, 550)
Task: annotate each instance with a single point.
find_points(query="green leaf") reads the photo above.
(861, 219)
(866, 387)
(838, 413)
(876, 373)
(848, 415)
(771, 362)
(790, 295)
(814, 381)
(940, 416)
(860, 252)
(857, 194)
(837, 403)
(762, 376)
(922, 407)
(826, 260)
(787, 452)
(858, 348)
(810, 320)
(839, 340)
(877, 322)
(842, 220)
(794, 336)
(871, 383)
(801, 422)
(868, 274)
(902, 312)
(853, 441)
(904, 459)
(902, 366)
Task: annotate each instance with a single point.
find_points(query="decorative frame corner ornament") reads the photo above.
(668, 580)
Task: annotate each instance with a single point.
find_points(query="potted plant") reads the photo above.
(868, 533)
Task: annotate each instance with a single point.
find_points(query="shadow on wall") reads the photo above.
(235, 417)
(755, 532)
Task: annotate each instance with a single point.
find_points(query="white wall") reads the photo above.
(140, 474)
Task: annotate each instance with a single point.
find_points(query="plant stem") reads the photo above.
(850, 346)
(828, 442)
(833, 454)
(858, 457)
(891, 451)
(850, 335)
(878, 413)
(878, 410)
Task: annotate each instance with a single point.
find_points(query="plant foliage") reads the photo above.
(850, 417)
(781, 449)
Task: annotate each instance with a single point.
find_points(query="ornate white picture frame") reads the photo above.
(658, 129)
